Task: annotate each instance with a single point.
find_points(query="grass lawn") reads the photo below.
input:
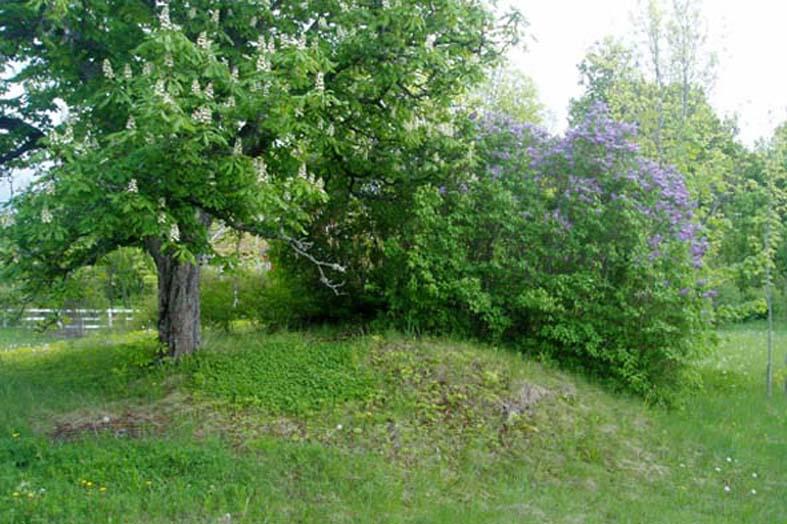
(309, 427)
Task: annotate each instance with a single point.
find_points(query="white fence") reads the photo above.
(79, 320)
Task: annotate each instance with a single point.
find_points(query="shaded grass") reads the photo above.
(436, 436)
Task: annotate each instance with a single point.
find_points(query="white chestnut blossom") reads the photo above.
(263, 65)
(237, 149)
(203, 42)
(319, 83)
(46, 216)
(106, 68)
(209, 91)
(203, 115)
(262, 170)
(132, 186)
(128, 74)
(164, 20)
(174, 233)
(131, 124)
(196, 90)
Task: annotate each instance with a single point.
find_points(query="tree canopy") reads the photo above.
(248, 113)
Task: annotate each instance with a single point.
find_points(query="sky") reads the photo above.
(750, 38)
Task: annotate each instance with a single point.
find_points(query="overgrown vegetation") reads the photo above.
(444, 431)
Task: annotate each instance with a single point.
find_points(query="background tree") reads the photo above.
(248, 113)
(511, 92)
(660, 81)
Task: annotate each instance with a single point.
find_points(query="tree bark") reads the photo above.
(178, 303)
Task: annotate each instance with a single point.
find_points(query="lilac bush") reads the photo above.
(572, 246)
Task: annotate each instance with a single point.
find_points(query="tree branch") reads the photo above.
(16, 125)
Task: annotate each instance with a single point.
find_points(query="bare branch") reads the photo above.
(302, 247)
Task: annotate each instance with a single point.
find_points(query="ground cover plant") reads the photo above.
(441, 430)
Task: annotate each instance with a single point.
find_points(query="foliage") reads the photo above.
(663, 90)
(230, 296)
(283, 376)
(523, 250)
(581, 452)
(245, 113)
(511, 92)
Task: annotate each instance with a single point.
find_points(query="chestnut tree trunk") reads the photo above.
(178, 302)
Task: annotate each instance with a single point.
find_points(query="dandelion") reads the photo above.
(46, 216)
(131, 124)
(319, 83)
(132, 186)
(754, 492)
(718, 469)
(727, 489)
(128, 74)
(729, 459)
(174, 233)
(106, 67)
(754, 475)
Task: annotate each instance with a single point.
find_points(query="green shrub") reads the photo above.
(576, 248)
(230, 296)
